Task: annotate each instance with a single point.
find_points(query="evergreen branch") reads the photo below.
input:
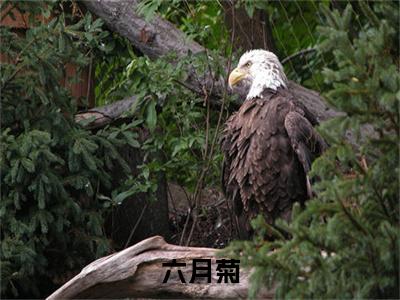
(369, 13)
(351, 218)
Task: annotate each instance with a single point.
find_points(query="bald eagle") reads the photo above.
(268, 144)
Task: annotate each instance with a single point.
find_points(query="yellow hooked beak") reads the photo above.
(236, 75)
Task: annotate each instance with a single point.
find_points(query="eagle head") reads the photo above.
(260, 69)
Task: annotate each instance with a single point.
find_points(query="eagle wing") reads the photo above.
(268, 146)
(305, 141)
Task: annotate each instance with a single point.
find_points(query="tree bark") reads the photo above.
(138, 272)
(157, 37)
(138, 216)
(250, 32)
(100, 116)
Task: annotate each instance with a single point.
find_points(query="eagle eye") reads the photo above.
(248, 64)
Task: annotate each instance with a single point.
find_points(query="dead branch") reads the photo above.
(297, 54)
(138, 272)
(101, 116)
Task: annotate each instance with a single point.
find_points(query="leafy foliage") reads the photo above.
(201, 21)
(293, 27)
(345, 244)
(176, 120)
(51, 211)
(56, 175)
(181, 125)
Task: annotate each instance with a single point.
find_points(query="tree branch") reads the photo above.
(158, 37)
(137, 271)
(105, 114)
(299, 53)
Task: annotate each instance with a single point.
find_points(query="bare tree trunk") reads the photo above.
(138, 272)
(250, 32)
(138, 216)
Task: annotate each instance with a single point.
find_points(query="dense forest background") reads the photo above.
(65, 183)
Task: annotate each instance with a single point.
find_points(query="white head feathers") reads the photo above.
(265, 71)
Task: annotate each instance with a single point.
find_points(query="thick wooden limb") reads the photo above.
(313, 101)
(138, 272)
(101, 116)
(104, 115)
(157, 37)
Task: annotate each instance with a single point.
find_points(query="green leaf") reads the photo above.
(61, 42)
(28, 165)
(151, 115)
(122, 196)
(14, 170)
(89, 160)
(41, 196)
(42, 95)
(77, 147)
(130, 139)
(250, 8)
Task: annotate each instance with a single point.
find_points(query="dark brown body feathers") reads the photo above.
(268, 144)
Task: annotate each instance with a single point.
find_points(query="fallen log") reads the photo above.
(137, 271)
